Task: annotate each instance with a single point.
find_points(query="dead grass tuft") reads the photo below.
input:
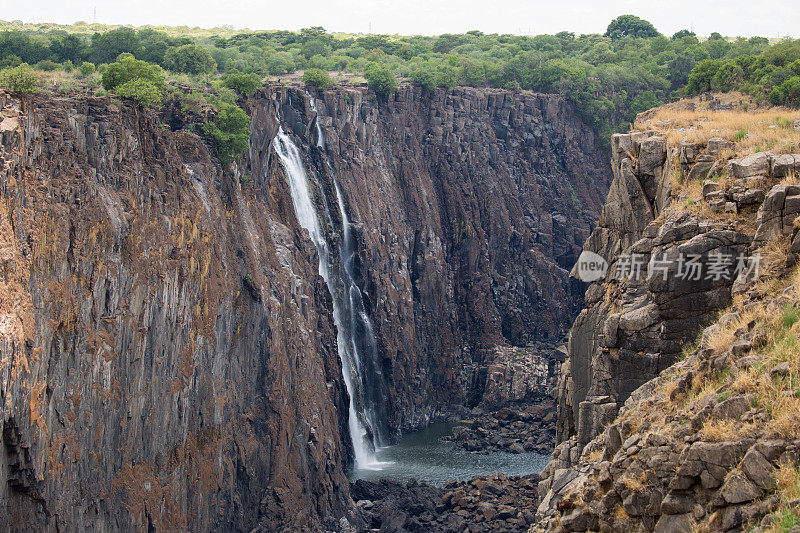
(716, 430)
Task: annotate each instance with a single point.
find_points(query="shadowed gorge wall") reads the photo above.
(468, 206)
(166, 336)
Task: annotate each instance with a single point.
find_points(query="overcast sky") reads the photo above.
(769, 18)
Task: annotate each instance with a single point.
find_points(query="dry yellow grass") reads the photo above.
(716, 430)
(751, 131)
(722, 339)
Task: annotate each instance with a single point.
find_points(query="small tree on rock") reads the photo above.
(380, 79)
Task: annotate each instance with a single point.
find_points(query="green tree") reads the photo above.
(315, 47)
(701, 76)
(380, 79)
(24, 46)
(128, 68)
(243, 84)
(190, 59)
(141, 90)
(318, 78)
(230, 132)
(108, 46)
(787, 93)
(68, 47)
(630, 26)
(20, 79)
(683, 33)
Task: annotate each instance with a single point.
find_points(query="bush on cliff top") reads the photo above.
(145, 92)
(380, 79)
(134, 79)
(127, 68)
(317, 78)
(20, 79)
(243, 84)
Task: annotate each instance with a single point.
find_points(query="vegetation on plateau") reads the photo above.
(610, 77)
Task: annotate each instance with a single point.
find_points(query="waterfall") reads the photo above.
(320, 139)
(355, 337)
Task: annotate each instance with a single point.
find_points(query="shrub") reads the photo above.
(128, 68)
(46, 65)
(318, 78)
(240, 82)
(787, 93)
(143, 91)
(380, 79)
(230, 132)
(790, 315)
(20, 79)
(86, 68)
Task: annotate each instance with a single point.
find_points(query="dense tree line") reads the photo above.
(610, 77)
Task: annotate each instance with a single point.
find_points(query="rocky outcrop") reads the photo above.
(482, 504)
(649, 304)
(680, 457)
(529, 430)
(168, 355)
(664, 420)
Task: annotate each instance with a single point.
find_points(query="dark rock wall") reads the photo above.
(168, 355)
(469, 206)
(168, 359)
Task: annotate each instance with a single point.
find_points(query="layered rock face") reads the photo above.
(648, 305)
(658, 432)
(468, 207)
(168, 358)
(168, 355)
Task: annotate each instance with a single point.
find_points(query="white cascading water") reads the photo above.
(320, 140)
(350, 318)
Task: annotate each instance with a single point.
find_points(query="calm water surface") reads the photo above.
(420, 455)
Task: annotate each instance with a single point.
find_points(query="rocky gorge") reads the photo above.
(169, 353)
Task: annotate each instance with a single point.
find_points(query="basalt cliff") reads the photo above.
(678, 403)
(169, 355)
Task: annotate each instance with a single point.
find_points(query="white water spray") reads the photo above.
(320, 139)
(354, 330)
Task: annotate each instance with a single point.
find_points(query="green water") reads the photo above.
(420, 455)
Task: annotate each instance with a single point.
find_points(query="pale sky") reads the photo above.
(769, 18)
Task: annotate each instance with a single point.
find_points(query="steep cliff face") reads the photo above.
(638, 318)
(168, 356)
(678, 406)
(469, 205)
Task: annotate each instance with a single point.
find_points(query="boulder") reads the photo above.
(718, 144)
(758, 469)
(675, 523)
(752, 165)
(732, 408)
(783, 164)
(709, 187)
(652, 154)
(739, 489)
